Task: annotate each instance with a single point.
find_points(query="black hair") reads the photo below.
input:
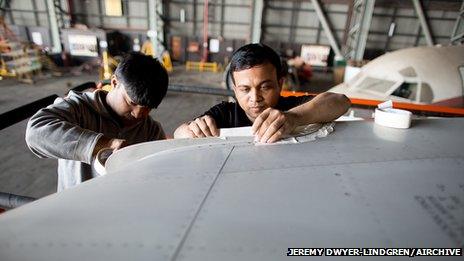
(251, 55)
(144, 78)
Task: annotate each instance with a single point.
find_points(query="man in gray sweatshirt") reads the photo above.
(74, 128)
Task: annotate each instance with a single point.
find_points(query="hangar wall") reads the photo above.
(282, 21)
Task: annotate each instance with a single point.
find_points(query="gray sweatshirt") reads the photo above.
(69, 129)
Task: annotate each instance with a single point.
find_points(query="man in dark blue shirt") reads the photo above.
(257, 74)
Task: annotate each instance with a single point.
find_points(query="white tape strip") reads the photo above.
(389, 117)
(100, 160)
(235, 132)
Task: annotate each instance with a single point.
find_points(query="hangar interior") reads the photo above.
(387, 173)
(58, 45)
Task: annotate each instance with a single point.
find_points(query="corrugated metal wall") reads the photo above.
(283, 21)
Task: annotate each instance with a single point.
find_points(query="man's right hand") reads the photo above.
(117, 144)
(105, 142)
(204, 126)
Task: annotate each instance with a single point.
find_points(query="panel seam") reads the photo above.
(189, 228)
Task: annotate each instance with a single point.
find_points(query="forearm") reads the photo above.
(325, 107)
(49, 136)
(102, 143)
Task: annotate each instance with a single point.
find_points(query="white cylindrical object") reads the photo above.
(393, 118)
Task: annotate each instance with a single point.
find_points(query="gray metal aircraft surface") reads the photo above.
(363, 185)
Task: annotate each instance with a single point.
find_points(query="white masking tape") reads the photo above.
(100, 160)
(394, 118)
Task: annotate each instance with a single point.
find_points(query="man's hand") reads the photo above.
(105, 142)
(99, 86)
(272, 125)
(204, 126)
(117, 144)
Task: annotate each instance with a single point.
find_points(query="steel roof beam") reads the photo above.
(423, 22)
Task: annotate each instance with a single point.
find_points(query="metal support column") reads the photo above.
(194, 18)
(294, 21)
(36, 14)
(328, 31)
(100, 11)
(221, 30)
(318, 34)
(55, 31)
(127, 14)
(418, 35)
(256, 20)
(60, 13)
(156, 32)
(391, 30)
(458, 30)
(359, 29)
(10, 13)
(204, 55)
(423, 22)
(166, 21)
(349, 16)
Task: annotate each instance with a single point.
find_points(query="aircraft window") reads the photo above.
(426, 93)
(408, 72)
(377, 85)
(406, 90)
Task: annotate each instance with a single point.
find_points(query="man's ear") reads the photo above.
(114, 81)
(230, 81)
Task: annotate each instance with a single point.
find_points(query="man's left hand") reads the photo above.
(272, 125)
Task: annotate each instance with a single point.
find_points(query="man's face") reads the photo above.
(257, 89)
(129, 112)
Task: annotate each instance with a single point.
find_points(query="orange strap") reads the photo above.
(397, 105)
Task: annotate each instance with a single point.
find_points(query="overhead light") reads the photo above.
(391, 31)
(182, 15)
